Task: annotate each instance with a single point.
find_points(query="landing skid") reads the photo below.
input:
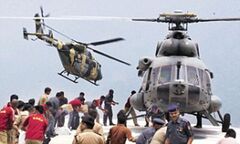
(65, 74)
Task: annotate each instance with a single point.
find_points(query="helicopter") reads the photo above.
(177, 75)
(75, 56)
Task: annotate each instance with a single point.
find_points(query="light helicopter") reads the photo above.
(76, 58)
(177, 75)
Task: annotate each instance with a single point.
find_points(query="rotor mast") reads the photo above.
(179, 20)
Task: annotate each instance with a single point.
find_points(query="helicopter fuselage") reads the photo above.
(176, 75)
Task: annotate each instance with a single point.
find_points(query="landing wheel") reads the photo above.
(226, 122)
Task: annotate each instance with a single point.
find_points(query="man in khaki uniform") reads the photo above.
(159, 136)
(97, 128)
(87, 136)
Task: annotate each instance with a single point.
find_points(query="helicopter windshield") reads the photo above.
(192, 76)
(165, 74)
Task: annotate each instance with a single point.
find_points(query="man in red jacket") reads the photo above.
(36, 126)
(6, 123)
(6, 120)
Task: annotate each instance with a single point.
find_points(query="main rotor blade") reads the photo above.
(146, 20)
(218, 19)
(108, 56)
(68, 18)
(106, 41)
(96, 51)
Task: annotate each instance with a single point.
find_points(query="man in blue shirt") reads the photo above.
(179, 130)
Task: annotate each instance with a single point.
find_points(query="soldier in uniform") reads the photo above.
(179, 130)
(108, 107)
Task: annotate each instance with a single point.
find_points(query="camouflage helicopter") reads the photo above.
(177, 75)
(75, 56)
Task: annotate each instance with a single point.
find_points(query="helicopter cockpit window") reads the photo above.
(203, 84)
(165, 74)
(192, 76)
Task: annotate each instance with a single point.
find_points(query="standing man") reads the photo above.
(44, 98)
(6, 120)
(96, 103)
(53, 117)
(99, 103)
(120, 133)
(36, 125)
(129, 109)
(61, 113)
(179, 130)
(108, 107)
(87, 136)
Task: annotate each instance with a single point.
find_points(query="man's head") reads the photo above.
(121, 116)
(231, 133)
(28, 107)
(39, 109)
(20, 105)
(94, 104)
(47, 90)
(93, 113)
(81, 94)
(173, 111)
(12, 97)
(31, 101)
(158, 123)
(60, 95)
(111, 91)
(102, 98)
(87, 122)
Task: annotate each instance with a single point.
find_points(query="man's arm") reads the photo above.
(190, 139)
(129, 135)
(167, 141)
(189, 133)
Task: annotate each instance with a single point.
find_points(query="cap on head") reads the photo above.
(158, 121)
(172, 108)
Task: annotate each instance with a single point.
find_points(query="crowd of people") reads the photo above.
(36, 123)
